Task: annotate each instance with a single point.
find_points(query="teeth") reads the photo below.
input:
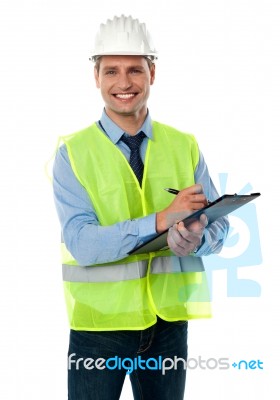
(125, 96)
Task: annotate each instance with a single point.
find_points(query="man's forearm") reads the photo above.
(94, 244)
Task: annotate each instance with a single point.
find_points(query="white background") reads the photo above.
(217, 77)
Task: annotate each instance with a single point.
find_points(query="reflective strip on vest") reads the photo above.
(173, 264)
(106, 273)
(134, 270)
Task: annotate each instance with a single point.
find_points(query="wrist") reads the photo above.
(161, 225)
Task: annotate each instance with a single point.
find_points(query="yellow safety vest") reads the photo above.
(130, 293)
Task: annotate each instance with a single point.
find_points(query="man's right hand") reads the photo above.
(185, 203)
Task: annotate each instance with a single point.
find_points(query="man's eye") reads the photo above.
(110, 73)
(135, 71)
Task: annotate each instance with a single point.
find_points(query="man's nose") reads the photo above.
(124, 82)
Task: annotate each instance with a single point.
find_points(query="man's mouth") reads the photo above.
(125, 96)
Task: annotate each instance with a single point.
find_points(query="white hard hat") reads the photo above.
(123, 36)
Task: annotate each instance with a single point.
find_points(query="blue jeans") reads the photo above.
(89, 379)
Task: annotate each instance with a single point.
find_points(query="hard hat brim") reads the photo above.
(151, 56)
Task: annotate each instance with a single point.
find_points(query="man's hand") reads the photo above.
(183, 241)
(185, 203)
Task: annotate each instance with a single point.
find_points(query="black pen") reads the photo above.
(173, 191)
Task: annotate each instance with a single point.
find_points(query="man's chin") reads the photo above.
(124, 112)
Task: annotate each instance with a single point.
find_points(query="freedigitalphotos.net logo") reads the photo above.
(159, 364)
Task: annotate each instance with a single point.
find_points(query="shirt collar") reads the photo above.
(114, 132)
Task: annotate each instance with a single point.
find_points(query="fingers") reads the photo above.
(177, 243)
(193, 197)
(203, 220)
(185, 203)
(194, 189)
(182, 241)
(191, 236)
(197, 227)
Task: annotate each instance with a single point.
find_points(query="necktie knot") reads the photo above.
(134, 142)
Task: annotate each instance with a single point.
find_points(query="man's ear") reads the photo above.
(96, 77)
(153, 73)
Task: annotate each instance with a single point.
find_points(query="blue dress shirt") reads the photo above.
(90, 243)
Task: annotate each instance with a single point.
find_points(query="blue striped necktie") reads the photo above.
(134, 143)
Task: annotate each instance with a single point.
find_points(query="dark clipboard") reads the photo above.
(219, 208)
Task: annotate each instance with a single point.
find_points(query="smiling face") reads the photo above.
(125, 82)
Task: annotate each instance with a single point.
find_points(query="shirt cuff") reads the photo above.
(146, 227)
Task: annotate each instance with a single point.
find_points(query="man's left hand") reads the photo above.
(183, 241)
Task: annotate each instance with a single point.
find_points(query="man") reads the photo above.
(131, 310)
